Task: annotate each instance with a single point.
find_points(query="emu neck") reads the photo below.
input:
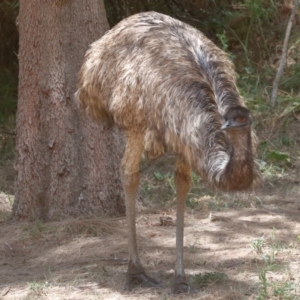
(241, 142)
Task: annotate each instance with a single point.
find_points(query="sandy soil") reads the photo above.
(242, 246)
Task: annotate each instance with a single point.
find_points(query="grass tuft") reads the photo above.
(207, 279)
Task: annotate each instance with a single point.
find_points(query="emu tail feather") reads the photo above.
(92, 102)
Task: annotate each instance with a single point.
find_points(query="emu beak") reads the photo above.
(226, 125)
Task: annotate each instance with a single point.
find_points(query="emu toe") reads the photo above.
(141, 279)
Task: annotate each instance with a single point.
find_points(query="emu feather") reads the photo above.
(170, 89)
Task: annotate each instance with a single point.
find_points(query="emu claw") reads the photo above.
(141, 278)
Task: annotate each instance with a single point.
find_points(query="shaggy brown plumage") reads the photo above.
(170, 89)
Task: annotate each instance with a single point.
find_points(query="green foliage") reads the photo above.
(192, 203)
(282, 289)
(292, 107)
(37, 286)
(8, 94)
(9, 35)
(274, 161)
(290, 80)
(37, 290)
(166, 178)
(278, 156)
(159, 176)
(263, 284)
(36, 229)
(268, 287)
(8, 76)
(257, 245)
(223, 39)
(206, 279)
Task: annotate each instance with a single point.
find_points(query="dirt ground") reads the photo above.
(237, 246)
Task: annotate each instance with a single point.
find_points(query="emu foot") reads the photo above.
(142, 279)
(180, 285)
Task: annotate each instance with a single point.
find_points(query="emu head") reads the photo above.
(237, 118)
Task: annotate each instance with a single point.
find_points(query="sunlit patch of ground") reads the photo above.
(239, 246)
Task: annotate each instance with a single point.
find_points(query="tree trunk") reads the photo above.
(66, 164)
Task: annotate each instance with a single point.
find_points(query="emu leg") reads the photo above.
(182, 184)
(130, 179)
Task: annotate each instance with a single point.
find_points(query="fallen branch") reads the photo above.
(283, 56)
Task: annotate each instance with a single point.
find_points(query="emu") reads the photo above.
(171, 90)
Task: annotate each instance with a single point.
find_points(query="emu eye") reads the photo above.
(241, 119)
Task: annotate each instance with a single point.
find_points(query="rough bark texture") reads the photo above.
(66, 164)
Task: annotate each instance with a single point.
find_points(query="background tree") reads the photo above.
(65, 163)
(251, 31)
(8, 76)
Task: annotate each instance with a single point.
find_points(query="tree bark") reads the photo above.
(66, 164)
